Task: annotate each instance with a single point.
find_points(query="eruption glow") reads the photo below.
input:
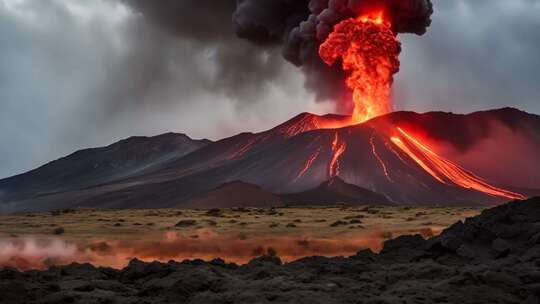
(30, 253)
(444, 170)
(369, 51)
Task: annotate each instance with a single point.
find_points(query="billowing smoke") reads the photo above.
(238, 69)
(301, 26)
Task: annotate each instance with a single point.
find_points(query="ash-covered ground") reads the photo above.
(490, 258)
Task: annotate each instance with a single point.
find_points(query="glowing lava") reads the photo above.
(369, 52)
(337, 150)
(444, 170)
(308, 164)
(379, 159)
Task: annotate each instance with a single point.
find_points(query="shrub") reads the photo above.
(186, 223)
(59, 231)
(214, 212)
(338, 223)
(211, 223)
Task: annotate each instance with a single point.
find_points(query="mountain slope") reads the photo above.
(238, 147)
(371, 160)
(90, 167)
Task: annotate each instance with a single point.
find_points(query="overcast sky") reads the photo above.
(79, 73)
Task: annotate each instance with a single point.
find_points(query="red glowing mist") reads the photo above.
(369, 51)
(446, 171)
(31, 253)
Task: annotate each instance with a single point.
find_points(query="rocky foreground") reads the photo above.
(491, 258)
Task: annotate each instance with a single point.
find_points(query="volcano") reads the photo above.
(433, 158)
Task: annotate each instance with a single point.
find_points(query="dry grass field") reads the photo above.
(112, 237)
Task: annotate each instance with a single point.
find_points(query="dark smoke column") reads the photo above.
(301, 26)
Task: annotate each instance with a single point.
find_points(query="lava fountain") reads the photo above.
(369, 52)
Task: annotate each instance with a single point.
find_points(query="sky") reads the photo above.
(76, 74)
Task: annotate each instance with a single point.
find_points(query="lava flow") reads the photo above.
(379, 159)
(369, 51)
(337, 150)
(444, 170)
(308, 164)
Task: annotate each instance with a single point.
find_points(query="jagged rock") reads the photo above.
(451, 242)
(501, 248)
(266, 259)
(404, 248)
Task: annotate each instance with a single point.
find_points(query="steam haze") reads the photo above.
(77, 74)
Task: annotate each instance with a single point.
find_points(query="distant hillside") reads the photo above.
(91, 167)
(233, 194)
(336, 191)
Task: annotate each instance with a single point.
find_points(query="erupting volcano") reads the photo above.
(369, 52)
(397, 158)
(349, 51)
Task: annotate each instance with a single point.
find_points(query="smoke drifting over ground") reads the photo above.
(41, 253)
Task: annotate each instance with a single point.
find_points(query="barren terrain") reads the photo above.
(113, 237)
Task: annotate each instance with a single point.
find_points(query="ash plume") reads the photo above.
(300, 27)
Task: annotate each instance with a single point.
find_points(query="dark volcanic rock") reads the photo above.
(491, 258)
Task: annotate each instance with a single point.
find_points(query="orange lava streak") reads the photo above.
(383, 165)
(244, 149)
(307, 123)
(391, 148)
(337, 150)
(369, 51)
(308, 164)
(419, 161)
(440, 168)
